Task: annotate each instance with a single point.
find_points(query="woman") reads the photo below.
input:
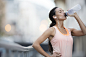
(60, 40)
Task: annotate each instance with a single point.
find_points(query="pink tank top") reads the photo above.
(62, 43)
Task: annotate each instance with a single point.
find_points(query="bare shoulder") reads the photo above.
(45, 35)
(71, 29)
(50, 30)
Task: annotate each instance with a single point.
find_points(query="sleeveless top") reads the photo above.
(62, 43)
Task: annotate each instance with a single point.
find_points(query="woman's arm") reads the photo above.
(75, 32)
(42, 38)
(81, 24)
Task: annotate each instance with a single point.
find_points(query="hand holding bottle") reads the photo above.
(72, 15)
(73, 10)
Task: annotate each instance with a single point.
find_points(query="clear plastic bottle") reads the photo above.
(73, 10)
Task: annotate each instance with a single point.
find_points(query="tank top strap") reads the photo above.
(56, 29)
(60, 31)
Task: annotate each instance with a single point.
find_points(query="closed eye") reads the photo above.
(60, 11)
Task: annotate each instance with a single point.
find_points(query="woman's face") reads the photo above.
(60, 14)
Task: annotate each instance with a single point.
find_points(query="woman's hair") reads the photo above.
(52, 12)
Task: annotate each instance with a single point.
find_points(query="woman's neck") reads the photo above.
(59, 24)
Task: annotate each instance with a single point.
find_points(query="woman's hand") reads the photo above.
(56, 54)
(73, 15)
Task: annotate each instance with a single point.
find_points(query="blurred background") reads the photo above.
(23, 21)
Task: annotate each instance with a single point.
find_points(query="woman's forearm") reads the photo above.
(40, 50)
(81, 24)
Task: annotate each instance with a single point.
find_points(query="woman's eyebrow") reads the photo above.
(61, 10)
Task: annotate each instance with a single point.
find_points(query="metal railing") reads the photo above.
(10, 49)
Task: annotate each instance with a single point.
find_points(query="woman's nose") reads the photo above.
(63, 12)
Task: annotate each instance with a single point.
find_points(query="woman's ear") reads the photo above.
(54, 17)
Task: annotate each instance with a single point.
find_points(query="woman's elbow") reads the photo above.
(34, 44)
(85, 32)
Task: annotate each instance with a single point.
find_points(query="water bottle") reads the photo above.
(73, 10)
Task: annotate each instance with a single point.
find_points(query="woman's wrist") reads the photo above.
(48, 56)
(76, 15)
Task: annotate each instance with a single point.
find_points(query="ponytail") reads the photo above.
(52, 24)
(52, 12)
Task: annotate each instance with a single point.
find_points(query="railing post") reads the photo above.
(22, 54)
(27, 54)
(10, 53)
(3, 52)
(16, 54)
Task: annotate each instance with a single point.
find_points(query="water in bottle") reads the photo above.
(73, 10)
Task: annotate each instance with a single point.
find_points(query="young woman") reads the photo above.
(60, 38)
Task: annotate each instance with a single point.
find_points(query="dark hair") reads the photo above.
(52, 12)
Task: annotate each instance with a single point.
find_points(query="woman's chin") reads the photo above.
(62, 19)
(65, 18)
